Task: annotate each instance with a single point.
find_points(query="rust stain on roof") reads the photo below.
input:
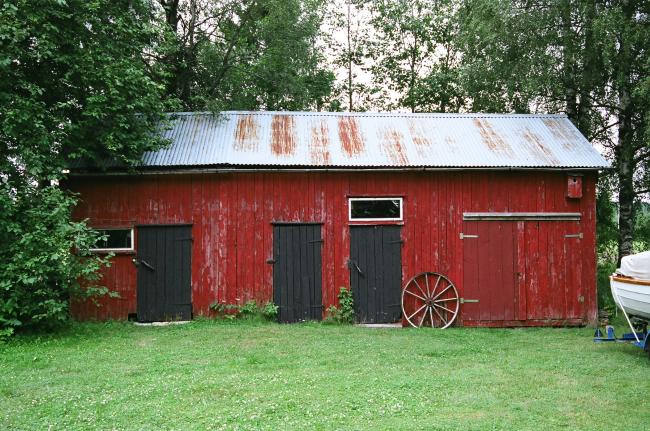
(351, 140)
(319, 145)
(451, 144)
(283, 140)
(537, 148)
(391, 145)
(418, 135)
(491, 138)
(561, 132)
(246, 133)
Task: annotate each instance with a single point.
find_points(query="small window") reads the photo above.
(369, 209)
(116, 239)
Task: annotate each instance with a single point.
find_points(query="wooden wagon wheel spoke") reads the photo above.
(426, 280)
(436, 285)
(419, 298)
(424, 316)
(419, 288)
(442, 291)
(416, 295)
(416, 311)
(440, 315)
(446, 300)
(444, 308)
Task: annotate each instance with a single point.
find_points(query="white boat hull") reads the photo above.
(631, 295)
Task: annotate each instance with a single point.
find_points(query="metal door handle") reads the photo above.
(138, 262)
(353, 264)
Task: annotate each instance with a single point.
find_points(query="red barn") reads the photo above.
(290, 206)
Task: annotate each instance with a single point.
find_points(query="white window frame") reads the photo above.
(395, 198)
(132, 248)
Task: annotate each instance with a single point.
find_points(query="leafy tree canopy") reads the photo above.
(74, 83)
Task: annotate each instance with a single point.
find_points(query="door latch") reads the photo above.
(353, 265)
(138, 262)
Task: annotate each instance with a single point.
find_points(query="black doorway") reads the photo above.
(376, 273)
(164, 273)
(297, 277)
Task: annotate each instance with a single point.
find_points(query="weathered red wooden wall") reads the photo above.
(232, 213)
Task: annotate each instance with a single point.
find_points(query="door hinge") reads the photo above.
(465, 235)
(574, 235)
(463, 300)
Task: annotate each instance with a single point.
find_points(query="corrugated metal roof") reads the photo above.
(285, 139)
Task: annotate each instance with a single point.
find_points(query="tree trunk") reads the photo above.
(350, 90)
(569, 63)
(590, 67)
(625, 191)
(625, 147)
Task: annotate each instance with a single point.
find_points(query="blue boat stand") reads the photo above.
(644, 338)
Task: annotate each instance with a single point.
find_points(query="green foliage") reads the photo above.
(349, 55)
(249, 310)
(76, 82)
(270, 311)
(606, 223)
(416, 55)
(249, 55)
(44, 260)
(605, 269)
(642, 227)
(344, 313)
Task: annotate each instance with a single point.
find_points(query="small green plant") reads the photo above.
(344, 313)
(270, 311)
(249, 310)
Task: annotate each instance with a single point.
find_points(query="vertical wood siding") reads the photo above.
(231, 214)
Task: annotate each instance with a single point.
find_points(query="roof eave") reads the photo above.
(180, 169)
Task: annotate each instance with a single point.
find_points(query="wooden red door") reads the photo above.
(552, 271)
(522, 271)
(490, 288)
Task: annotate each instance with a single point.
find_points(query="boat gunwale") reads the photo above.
(630, 280)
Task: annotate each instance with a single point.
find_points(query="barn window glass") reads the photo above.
(380, 209)
(115, 239)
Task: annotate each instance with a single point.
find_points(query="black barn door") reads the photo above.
(376, 273)
(164, 273)
(297, 279)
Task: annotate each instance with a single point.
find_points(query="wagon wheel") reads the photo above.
(430, 299)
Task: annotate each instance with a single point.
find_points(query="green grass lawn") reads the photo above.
(238, 375)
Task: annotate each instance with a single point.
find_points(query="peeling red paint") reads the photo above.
(246, 134)
(391, 145)
(536, 147)
(319, 145)
(283, 140)
(351, 140)
(491, 138)
(231, 216)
